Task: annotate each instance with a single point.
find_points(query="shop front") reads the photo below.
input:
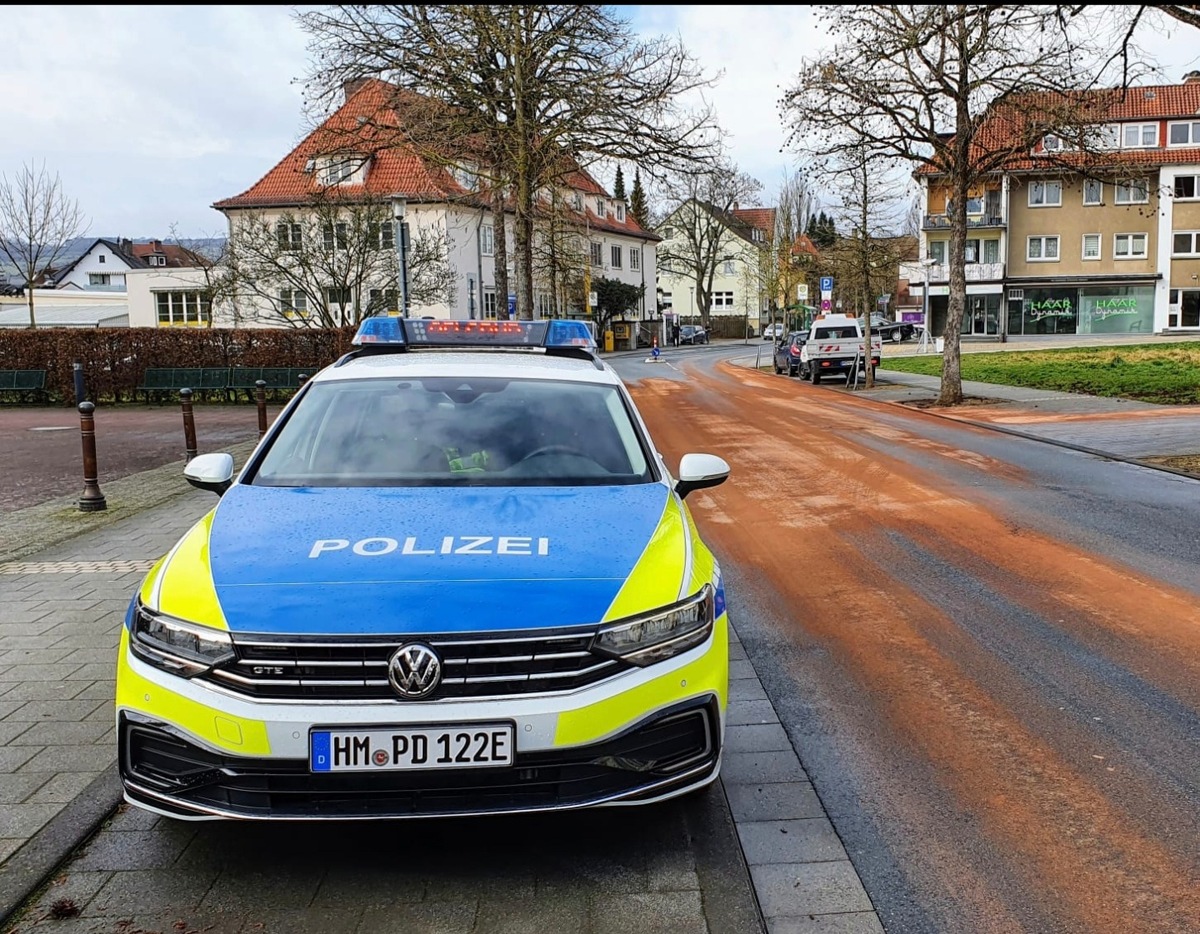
(1081, 309)
(981, 316)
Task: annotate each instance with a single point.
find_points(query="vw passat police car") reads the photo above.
(455, 577)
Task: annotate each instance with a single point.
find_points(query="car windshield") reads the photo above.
(688, 329)
(451, 431)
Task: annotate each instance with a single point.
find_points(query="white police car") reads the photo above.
(446, 582)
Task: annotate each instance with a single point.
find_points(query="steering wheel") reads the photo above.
(556, 449)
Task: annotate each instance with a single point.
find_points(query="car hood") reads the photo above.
(423, 560)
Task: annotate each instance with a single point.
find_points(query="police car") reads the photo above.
(455, 577)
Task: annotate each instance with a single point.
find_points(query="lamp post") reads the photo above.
(928, 263)
(400, 206)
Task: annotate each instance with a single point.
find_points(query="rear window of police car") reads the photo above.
(449, 431)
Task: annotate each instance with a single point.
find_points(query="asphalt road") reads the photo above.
(986, 650)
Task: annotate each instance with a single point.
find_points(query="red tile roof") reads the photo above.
(761, 218)
(176, 255)
(1007, 125)
(804, 245)
(365, 123)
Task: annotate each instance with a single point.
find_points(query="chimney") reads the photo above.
(1192, 77)
(126, 245)
(350, 87)
(157, 244)
(735, 205)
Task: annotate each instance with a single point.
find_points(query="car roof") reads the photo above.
(509, 364)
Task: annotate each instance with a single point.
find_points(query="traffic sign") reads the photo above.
(802, 292)
(655, 352)
(826, 283)
(826, 304)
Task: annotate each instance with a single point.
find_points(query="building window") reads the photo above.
(1042, 249)
(666, 301)
(334, 236)
(727, 268)
(615, 252)
(991, 251)
(1129, 246)
(1093, 191)
(577, 201)
(635, 258)
(599, 207)
(1091, 246)
(597, 254)
(381, 236)
(1052, 143)
(383, 302)
(487, 242)
(937, 251)
(1139, 135)
(757, 235)
(156, 260)
(489, 303)
(1132, 191)
(620, 212)
(1186, 243)
(293, 303)
(1108, 136)
(288, 236)
(101, 259)
(722, 300)
(544, 302)
(340, 170)
(1045, 194)
(971, 251)
(99, 278)
(466, 176)
(1187, 187)
(335, 295)
(183, 309)
(668, 233)
(1184, 134)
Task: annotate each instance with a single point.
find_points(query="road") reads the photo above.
(986, 650)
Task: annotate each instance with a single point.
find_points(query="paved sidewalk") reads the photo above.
(60, 617)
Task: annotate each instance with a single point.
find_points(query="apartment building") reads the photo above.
(1110, 249)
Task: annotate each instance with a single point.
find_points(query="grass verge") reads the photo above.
(1164, 374)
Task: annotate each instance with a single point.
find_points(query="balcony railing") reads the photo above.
(976, 272)
(942, 221)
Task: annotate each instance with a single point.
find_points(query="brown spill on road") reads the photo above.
(809, 485)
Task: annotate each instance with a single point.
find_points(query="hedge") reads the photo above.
(115, 360)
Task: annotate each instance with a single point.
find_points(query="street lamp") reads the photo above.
(928, 262)
(399, 209)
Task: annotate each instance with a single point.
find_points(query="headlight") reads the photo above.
(176, 646)
(662, 634)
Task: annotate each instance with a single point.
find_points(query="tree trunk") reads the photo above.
(29, 295)
(499, 250)
(951, 390)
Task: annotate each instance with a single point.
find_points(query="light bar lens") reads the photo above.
(657, 636)
(424, 332)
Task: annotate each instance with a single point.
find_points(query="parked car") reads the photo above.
(787, 353)
(887, 329)
(693, 334)
(773, 331)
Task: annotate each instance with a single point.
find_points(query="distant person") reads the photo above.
(675, 334)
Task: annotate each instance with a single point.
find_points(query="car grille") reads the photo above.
(472, 666)
(679, 746)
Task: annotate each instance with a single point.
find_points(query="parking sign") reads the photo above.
(826, 283)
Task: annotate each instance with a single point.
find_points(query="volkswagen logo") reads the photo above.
(414, 670)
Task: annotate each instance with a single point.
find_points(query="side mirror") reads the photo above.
(700, 471)
(212, 472)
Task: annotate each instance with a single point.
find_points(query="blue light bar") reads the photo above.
(405, 333)
(380, 330)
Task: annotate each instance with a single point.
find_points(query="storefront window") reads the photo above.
(1116, 309)
(1049, 311)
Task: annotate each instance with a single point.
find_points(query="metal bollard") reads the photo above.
(260, 398)
(92, 499)
(303, 378)
(189, 423)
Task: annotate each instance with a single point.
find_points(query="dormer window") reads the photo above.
(466, 175)
(1052, 143)
(756, 235)
(620, 212)
(599, 207)
(343, 170)
(1139, 135)
(577, 201)
(156, 260)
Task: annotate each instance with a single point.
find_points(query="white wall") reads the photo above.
(142, 284)
(681, 285)
(99, 259)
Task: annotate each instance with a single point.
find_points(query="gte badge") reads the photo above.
(449, 545)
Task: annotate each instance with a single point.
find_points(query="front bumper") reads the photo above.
(190, 751)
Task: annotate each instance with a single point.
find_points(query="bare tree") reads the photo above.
(920, 83)
(217, 272)
(331, 263)
(548, 87)
(699, 211)
(786, 268)
(37, 220)
(560, 253)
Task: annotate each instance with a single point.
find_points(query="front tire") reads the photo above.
(814, 376)
(897, 337)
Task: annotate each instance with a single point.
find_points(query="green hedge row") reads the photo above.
(115, 360)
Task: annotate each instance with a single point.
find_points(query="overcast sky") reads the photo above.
(152, 113)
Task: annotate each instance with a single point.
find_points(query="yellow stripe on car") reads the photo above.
(187, 590)
(708, 674)
(218, 728)
(655, 578)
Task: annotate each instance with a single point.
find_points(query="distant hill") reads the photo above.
(75, 248)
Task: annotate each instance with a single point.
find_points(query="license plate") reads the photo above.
(402, 749)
